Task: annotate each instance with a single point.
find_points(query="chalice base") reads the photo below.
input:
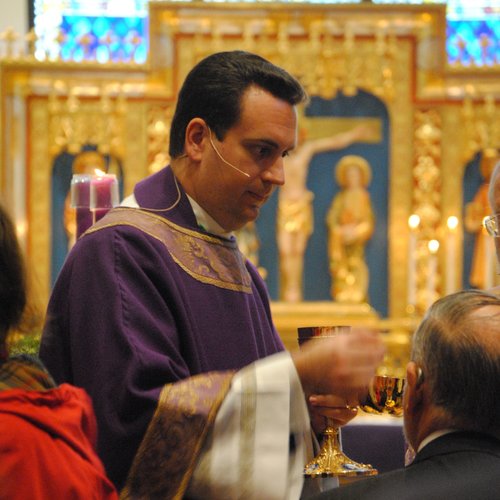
(331, 461)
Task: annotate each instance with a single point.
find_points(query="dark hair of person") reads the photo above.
(459, 354)
(13, 296)
(214, 87)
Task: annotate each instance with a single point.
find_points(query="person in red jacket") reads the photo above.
(47, 432)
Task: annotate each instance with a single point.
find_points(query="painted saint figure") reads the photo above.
(295, 215)
(249, 245)
(483, 270)
(351, 223)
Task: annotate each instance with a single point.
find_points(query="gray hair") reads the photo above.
(459, 353)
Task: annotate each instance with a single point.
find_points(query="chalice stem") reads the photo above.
(331, 461)
(330, 451)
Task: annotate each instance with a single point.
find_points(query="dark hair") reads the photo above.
(214, 87)
(13, 295)
(459, 354)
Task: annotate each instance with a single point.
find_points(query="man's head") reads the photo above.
(12, 278)
(214, 87)
(453, 380)
(235, 121)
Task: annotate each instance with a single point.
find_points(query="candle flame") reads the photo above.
(99, 172)
(433, 246)
(414, 221)
(21, 229)
(452, 222)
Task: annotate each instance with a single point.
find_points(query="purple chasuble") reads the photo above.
(144, 300)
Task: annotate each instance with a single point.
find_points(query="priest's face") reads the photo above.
(239, 173)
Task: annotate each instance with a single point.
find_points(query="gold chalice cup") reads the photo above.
(384, 396)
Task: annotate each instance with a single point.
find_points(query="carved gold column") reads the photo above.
(427, 205)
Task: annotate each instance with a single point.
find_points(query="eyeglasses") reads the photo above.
(491, 223)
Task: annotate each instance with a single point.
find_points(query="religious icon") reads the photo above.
(483, 268)
(249, 245)
(351, 222)
(295, 213)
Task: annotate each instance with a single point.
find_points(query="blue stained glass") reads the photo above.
(121, 28)
(469, 32)
(102, 54)
(133, 21)
(118, 29)
(79, 26)
(141, 53)
(77, 55)
(467, 20)
(101, 26)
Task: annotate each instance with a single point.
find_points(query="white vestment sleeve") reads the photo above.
(261, 438)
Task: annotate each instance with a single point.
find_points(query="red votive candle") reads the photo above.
(103, 194)
(80, 201)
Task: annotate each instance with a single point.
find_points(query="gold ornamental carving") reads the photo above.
(39, 185)
(481, 120)
(440, 116)
(77, 119)
(158, 127)
(427, 206)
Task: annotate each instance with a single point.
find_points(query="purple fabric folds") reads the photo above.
(147, 300)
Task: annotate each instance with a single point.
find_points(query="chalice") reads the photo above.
(384, 396)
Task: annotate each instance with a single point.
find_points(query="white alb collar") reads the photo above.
(206, 222)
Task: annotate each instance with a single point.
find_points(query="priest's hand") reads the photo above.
(330, 410)
(341, 365)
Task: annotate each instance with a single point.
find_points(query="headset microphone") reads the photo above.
(222, 158)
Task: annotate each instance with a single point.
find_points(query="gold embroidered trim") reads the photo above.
(205, 258)
(247, 428)
(166, 459)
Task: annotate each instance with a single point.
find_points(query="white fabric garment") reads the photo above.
(248, 453)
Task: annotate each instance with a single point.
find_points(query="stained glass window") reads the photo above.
(104, 30)
(473, 32)
(117, 29)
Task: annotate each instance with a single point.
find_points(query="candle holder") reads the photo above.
(80, 201)
(92, 196)
(103, 195)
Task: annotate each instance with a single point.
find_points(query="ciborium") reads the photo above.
(384, 396)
